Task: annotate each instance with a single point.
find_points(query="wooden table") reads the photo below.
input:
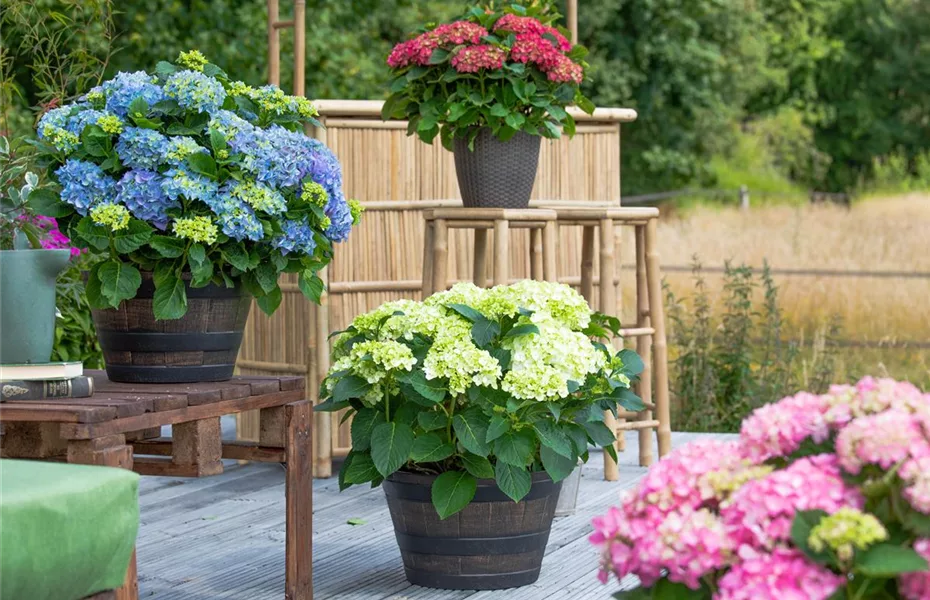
(123, 420)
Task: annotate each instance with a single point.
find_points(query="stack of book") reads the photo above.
(42, 381)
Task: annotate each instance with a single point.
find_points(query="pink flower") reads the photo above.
(882, 439)
(916, 586)
(460, 32)
(777, 430)
(472, 59)
(517, 24)
(916, 474)
(871, 396)
(782, 575)
(417, 51)
(761, 512)
(533, 48)
(565, 70)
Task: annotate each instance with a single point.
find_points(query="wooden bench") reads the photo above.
(121, 421)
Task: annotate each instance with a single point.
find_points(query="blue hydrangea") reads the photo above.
(340, 216)
(236, 218)
(195, 91)
(84, 185)
(229, 124)
(79, 120)
(180, 182)
(141, 148)
(126, 87)
(142, 193)
(297, 237)
(179, 148)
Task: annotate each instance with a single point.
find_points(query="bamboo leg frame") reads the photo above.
(550, 235)
(643, 344)
(501, 252)
(480, 267)
(607, 302)
(440, 253)
(660, 349)
(536, 255)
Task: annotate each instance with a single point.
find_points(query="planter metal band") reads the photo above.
(495, 546)
(170, 342)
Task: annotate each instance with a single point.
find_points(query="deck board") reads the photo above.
(223, 538)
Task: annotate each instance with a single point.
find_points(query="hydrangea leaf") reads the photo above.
(452, 491)
(119, 281)
(515, 481)
(471, 428)
(391, 444)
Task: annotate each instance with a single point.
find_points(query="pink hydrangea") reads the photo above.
(761, 512)
(916, 586)
(782, 575)
(472, 59)
(882, 439)
(777, 430)
(417, 51)
(871, 396)
(535, 49)
(916, 474)
(459, 32)
(517, 24)
(565, 70)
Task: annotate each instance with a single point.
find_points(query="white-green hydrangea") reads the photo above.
(375, 359)
(562, 302)
(456, 358)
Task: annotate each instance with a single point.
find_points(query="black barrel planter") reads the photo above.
(494, 543)
(200, 346)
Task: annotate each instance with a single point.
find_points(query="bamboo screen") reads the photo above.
(396, 177)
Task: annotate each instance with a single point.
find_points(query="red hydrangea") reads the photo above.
(517, 24)
(565, 70)
(472, 59)
(533, 48)
(418, 50)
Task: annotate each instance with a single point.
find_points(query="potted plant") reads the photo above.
(821, 497)
(489, 85)
(195, 191)
(29, 265)
(470, 408)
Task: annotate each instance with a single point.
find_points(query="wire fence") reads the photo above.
(742, 196)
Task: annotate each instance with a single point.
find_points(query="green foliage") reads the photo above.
(723, 369)
(75, 337)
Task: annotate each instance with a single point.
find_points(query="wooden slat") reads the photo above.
(235, 450)
(21, 411)
(162, 467)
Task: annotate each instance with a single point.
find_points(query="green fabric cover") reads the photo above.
(66, 531)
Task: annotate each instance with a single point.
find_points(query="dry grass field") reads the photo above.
(881, 234)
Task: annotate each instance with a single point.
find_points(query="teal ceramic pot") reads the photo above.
(27, 303)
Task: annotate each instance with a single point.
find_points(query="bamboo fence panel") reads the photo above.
(397, 177)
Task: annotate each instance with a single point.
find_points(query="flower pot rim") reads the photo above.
(423, 478)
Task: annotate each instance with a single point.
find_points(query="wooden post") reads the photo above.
(323, 457)
(300, 46)
(643, 345)
(197, 444)
(572, 18)
(501, 252)
(440, 255)
(660, 350)
(480, 267)
(298, 490)
(428, 243)
(587, 264)
(274, 44)
(618, 308)
(536, 254)
(550, 236)
(606, 304)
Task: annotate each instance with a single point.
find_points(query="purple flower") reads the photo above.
(141, 191)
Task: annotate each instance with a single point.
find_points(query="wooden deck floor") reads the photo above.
(223, 537)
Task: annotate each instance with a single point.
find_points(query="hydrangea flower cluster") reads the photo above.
(792, 509)
(218, 167)
(490, 69)
(475, 383)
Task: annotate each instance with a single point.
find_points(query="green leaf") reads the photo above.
(361, 470)
(95, 141)
(632, 363)
(478, 466)
(431, 420)
(165, 69)
(311, 286)
(138, 107)
(363, 422)
(93, 289)
(169, 247)
(350, 387)
(201, 266)
(483, 331)
(95, 235)
(801, 527)
(356, 521)
(916, 523)
(521, 330)
(343, 484)
(629, 400)
(452, 491)
(499, 110)
(515, 447)
(119, 281)
(637, 593)
(132, 237)
(270, 301)
(431, 390)
(466, 311)
(391, 444)
(203, 163)
(600, 434)
(170, 300)
(267, 276)
(559, 467)
(584, 104)
(578, 436)
(502, 355)
(48, 203)
(332, 405)
(471, 428)
(888, 560)
(552, 437)
(513, 480)
(237, 256)
(670, 590)
(498, 427)
(430, 448)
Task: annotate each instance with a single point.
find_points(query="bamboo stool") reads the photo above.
(543, 243)
(650, 320)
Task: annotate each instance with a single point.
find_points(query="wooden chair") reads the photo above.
(543, 243)
(649, 329)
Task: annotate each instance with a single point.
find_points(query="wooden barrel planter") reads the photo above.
(200, 346)
(494, 543)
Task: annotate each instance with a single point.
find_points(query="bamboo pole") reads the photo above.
(660, 350)
(440, 255)
(426, 283)
(501, 252)
(480, 266)
(550, 235)
(587, 263)
(572, 18)
(300, 46)
(274, 44)
(607, 302)
(643, 344)
(536, 254)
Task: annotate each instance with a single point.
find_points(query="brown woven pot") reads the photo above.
(200, 346)
(497, 174)
(494, 543)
